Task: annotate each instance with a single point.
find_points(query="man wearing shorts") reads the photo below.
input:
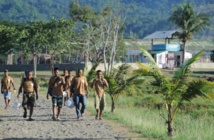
(98, 84)
(57, 85)
(6, 83)
(79, 89)
(29, 87)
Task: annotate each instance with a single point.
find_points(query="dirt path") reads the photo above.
(13, 126)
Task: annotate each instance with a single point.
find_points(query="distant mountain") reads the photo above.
(143, 17)
(26, 10)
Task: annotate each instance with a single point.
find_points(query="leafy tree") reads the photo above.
(9, 33)
(100, 33)
(120, 84)
(59, 34)
(143, 17)
(32, 39)
(189, 22)
(178, 89)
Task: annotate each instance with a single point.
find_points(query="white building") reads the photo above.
(167, 55)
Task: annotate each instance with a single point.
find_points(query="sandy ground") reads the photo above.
(14, 126)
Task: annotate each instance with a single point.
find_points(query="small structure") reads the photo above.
(167, 55)
(134, 55)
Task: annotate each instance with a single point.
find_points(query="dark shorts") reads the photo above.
(28, 100)
(57, 100)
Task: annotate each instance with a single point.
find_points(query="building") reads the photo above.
(167, 55)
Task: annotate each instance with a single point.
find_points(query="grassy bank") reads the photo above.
(144, 113)
(151, 123)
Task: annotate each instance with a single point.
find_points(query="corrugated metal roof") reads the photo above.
(162, 34)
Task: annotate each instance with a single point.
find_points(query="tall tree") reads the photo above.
(32, 39)
(189, 21)
(9, 32)
(100, 34)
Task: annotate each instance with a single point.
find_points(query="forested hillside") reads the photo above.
(143, 16)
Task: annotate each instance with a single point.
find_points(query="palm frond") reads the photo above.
(200, 21)
(112, 83)
(129, 84)
(185, 68)
(201, 88)
(146, 70)
(143, 69)
(148, 56)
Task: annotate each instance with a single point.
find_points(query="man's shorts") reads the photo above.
(7, 95)
(28, 100)
(100, 102)
(57, 101)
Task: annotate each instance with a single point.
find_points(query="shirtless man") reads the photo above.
(6, 83)
(57, 84)
(30, 88)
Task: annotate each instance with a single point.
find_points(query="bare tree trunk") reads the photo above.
(52, 64)
(114, 45)
(105, 46)
(183, 52)
(87, 52)
(34, 61)
(169, 121)
(112, 104)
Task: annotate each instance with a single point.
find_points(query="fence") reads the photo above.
(41, 67)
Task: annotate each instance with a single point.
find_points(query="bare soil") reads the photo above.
(14, 126)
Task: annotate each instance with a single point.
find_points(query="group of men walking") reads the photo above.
(75, 87)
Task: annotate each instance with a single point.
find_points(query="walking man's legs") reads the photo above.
(83, 102)
(77, 105)
(7, 96)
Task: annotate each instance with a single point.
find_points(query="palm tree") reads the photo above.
(189, 22)
(178, 89)
(120, 84)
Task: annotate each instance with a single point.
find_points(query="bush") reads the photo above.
(43, 82)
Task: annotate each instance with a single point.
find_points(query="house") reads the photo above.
(167, 55)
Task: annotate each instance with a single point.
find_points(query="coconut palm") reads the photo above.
(189, 22)
(120, 83)
(178, 89)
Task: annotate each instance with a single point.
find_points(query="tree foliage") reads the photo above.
(100, 33)
(189, 22)
(178, 89)
(143, 17)
(121, 84)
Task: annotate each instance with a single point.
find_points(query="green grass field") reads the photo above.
(146, 114)
(191, 44)
(150, 122)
